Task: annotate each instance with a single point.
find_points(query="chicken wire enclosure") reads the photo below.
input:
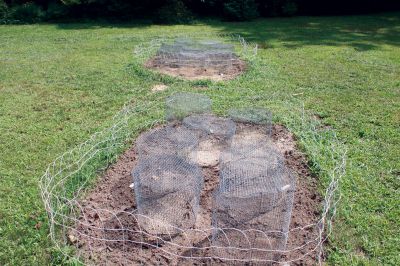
(181, 105)
(208, 124)
(196, 53)
(249, 177)
(167, 191)
(155, 234)
(258, 116)
(169, 140)
(255, 193)
(191, 45)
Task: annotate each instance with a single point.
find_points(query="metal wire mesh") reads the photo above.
(208, 124)
(169, 140)
(256, 192)
(66, 180)
(186, 52)
(181, 105)
(167, 190)
(259, 116)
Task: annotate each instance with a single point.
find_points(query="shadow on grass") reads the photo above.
(360, 32)
(365, 32)
(101, 24)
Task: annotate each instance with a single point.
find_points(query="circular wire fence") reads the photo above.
(68, 179)
(211, 42)
(200, 55)
(196, 53)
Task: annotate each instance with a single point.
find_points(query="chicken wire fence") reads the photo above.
(196, 53)
(180, 105)
(228, 44)
(219, 51)
(167, 208)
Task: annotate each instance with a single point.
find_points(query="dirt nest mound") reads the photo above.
(191, 72)
(111, 204)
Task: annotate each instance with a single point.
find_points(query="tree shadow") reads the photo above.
(101, 24)
(363, 33)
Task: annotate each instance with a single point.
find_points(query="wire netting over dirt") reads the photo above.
(255, 193)
(211, 125)
(181, 105)
(258, 116)
(181, 212)
(169, 140)
(215, 136)
(167, 190)
(188, 52)
(187, 57)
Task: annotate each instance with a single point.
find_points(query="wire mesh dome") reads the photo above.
(181, 105)
(211, 125)
(167, 190)
(169, 140)
(259, 116)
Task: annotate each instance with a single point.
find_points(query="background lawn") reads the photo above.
(60, 83)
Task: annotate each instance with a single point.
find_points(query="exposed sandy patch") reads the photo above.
(159, 87)
(216, 73)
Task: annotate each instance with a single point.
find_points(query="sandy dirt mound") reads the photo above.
(216, 73)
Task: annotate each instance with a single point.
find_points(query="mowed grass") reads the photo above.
(60, 83)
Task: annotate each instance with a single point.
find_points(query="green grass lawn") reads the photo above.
(59, 83)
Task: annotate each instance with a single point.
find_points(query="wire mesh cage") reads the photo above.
(186, 52)
(254, 115)
(208, 124)
(215, 135)
(169, 140)
(255, 193)
(198, 56)
(167, 190)
(181, 105)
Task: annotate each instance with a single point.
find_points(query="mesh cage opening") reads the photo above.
(181, 105)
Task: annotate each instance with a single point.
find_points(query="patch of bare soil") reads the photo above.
(106, 214)
(212, 72)
(159, 87)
